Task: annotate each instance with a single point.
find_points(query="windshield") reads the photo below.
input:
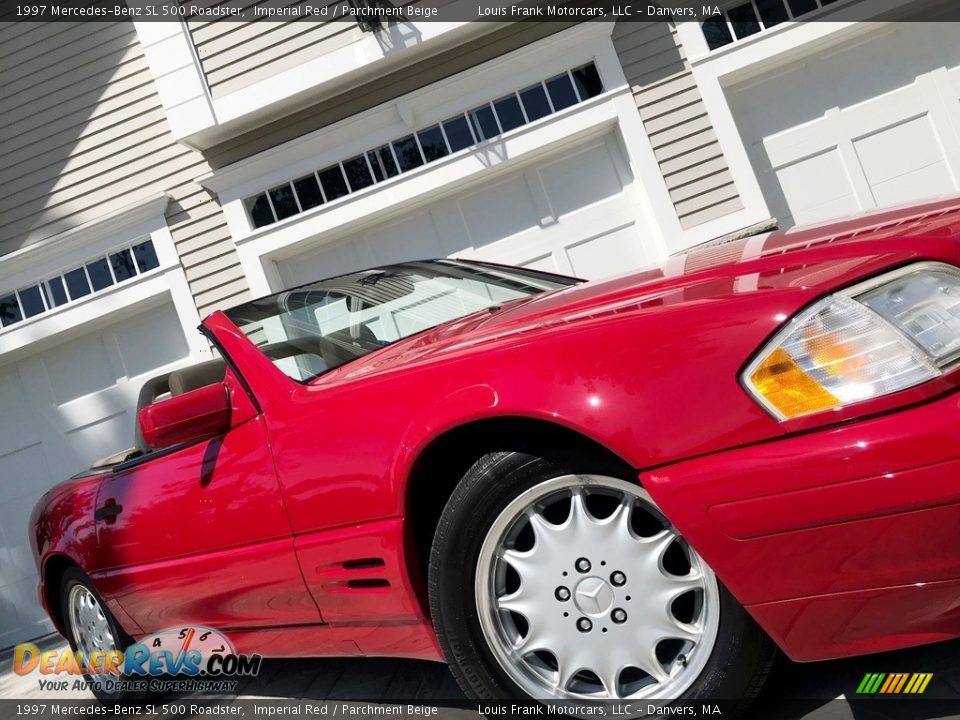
(314, 328)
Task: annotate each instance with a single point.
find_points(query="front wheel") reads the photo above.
(551, 582)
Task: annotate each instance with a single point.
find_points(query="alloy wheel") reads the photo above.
(88, 622)
(585, 590)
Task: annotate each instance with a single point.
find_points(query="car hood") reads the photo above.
(804, 264)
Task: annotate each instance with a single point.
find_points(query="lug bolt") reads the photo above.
(562, 594)
(618, 578)
(584, 625)
(619, 615)
(582, 565)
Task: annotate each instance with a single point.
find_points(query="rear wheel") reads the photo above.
(91, 628)
(556, 581)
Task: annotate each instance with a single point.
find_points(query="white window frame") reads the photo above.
(74, 248)
(614, 109)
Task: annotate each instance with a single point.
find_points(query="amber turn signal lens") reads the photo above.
(788, 388)
(835, 353)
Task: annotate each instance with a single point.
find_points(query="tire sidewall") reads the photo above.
(485, 491)
(72, 578)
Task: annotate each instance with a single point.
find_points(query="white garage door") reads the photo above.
(575, 213)
(873, 123)
(60, 410)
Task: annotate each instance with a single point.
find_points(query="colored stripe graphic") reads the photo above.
(894, 683)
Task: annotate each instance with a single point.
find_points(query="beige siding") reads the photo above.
(676, 121)
(82, 134)
(235, 54)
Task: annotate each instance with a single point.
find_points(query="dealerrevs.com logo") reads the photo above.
(182, 659)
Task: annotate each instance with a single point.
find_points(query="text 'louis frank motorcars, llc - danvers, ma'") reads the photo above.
(629, 489)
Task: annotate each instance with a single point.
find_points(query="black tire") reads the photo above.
(75, 577)
(736, 669)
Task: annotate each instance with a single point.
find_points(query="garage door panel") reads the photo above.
(499, 211)
(816, 185)
(875, 124)
(80, 368)
(17, 528)
(23, 478)
(774, 103)
(150, 340)
(102, 438)
(421, 240)
(590, 258)
(544, 263)
(580, 180)
(328, 261)
(12, 627)
(18, 428)
(21, 471)
(891, 108)
(899, 148)
(920, 184)
(790, 147)
(904, 162)
(954, 79)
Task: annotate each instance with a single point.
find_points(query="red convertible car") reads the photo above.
(635, 488)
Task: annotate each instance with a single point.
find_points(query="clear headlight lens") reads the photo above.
(888, 335)
(926, 306)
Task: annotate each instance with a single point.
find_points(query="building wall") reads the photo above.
(684, 142)
(381, 90)
(234, 55)
(83, 134)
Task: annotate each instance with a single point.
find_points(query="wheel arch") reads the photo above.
(53, 571)
(442, 463)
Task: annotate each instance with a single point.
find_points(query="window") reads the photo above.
(749, 18)
(77, 284)
(57, 292)
(428, 145)
(509, 112)
(535, 102)
(432, 143)
(317, 327)
(99, 273)
(123, 265)
(458, 133)
(484, 122)
(284, 204)
(31, 303)
(333, 183)
(408, 153)
(146, 256)
(308, 190)
(9, 310)
(358, 173)
(260, 212)
(91, 277)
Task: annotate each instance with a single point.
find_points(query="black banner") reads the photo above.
(382, 12)
(878, 708)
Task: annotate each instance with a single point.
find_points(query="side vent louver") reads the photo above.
(367, 583)
(363, 563)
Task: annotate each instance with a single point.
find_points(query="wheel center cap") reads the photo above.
(593, 596)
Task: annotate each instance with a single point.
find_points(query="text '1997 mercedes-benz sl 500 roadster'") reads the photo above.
(632, 488)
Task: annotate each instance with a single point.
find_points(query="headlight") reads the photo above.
(888, 334)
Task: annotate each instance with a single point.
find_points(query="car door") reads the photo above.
(200, 535)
